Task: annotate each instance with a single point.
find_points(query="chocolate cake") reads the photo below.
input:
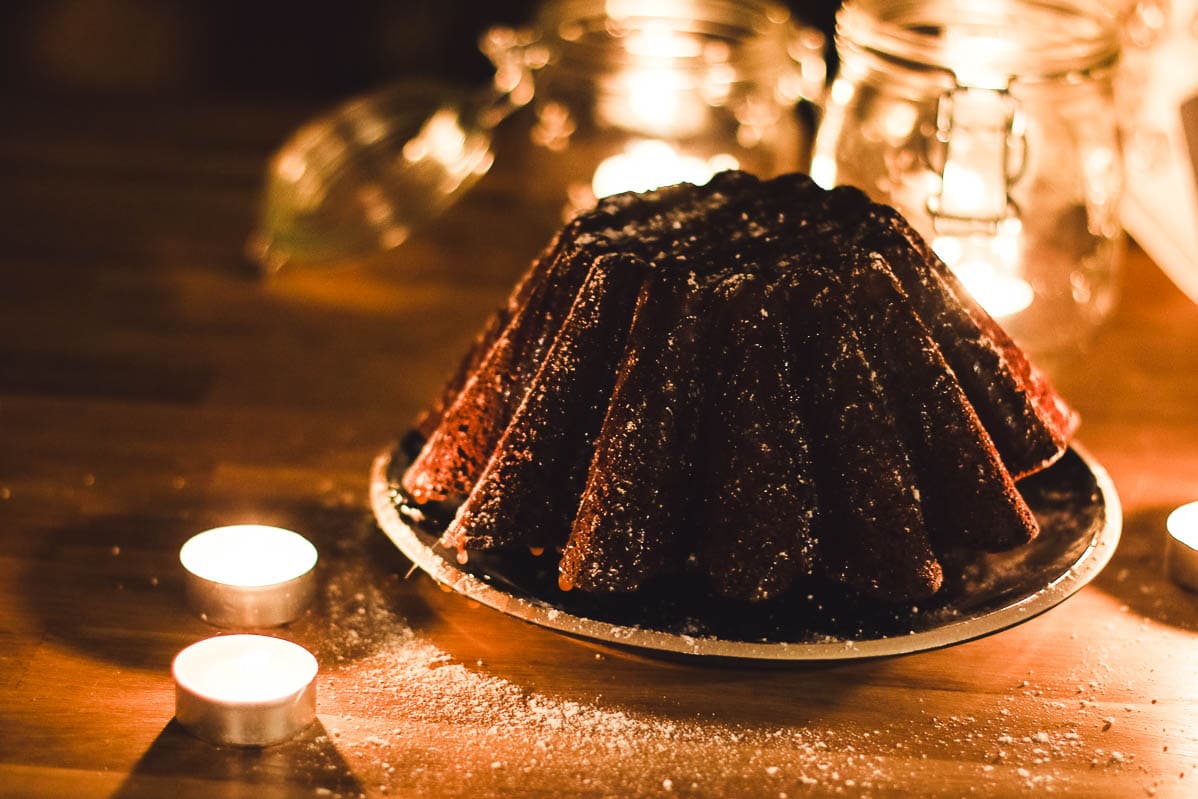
(761, 382)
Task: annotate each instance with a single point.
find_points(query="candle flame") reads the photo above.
(244, 669)
(248, 555)
(1182, 524)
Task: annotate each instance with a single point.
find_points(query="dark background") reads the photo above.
(174, 48)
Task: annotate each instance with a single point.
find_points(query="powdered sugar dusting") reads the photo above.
(410, 706)
(401, 710)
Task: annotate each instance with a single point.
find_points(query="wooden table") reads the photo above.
(150, 388)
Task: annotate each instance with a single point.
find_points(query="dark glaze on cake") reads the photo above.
(538, 457)
(769, 474)
(764, 381)
(632, 517)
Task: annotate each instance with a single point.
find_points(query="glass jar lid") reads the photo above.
(984, 43)
(591, 38)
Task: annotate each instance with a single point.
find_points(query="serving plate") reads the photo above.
(1074, 500)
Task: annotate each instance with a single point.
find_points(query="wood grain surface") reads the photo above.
(151, 387)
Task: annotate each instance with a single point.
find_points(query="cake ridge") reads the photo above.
(982, 509)
(969, 497)
(996, 376)
(863, 474)
(536, 461)
(639, 480)
(458, 448)
(761, 467)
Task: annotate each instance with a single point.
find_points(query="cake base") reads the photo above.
(1074, 501)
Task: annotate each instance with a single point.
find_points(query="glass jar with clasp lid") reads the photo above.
(992, 127)
(635, 94)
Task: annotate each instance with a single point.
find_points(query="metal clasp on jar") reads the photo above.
(979, 151)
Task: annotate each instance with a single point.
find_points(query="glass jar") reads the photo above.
(992, 127)
(636, 94)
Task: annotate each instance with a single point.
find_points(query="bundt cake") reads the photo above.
(760, 381)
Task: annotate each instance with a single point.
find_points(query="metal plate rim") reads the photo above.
(544, 614)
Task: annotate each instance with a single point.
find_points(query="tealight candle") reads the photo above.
(245, 690)
(249, 575)
(1181, 551)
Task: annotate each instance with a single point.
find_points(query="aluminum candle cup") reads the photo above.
(249, 575)
(1181, 548)
(245, 690)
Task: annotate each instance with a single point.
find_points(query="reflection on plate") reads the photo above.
(1074, 501)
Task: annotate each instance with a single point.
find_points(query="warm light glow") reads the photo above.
(651, 164)
(658, 38)
(842, 91)
(1182, 524)
(980, 128)
(1000, 295)
(441, 139)
(965, 49)
(898, 123)
(982, 239)
(988, 266)
(656, 99)
(244, 669)
(369, 128)
(823, 170)
(966, 194)
(248, 555)
(446, 144)
(658, 93)
(1103, 176)
(656, 102)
